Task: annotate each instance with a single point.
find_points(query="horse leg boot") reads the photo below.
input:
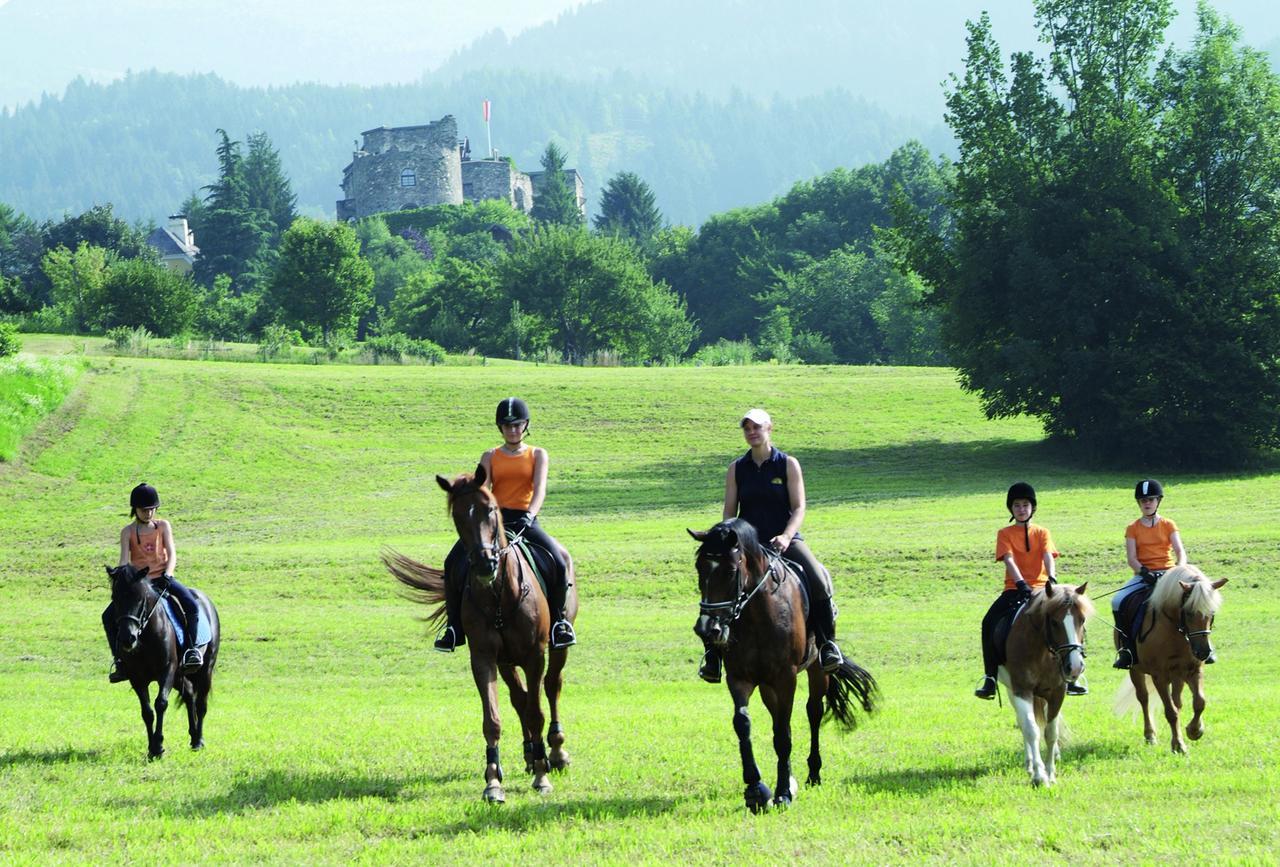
(451, 636)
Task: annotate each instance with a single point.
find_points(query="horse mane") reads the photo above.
(464, 483)
(1040, 602)
(735, 532)
(1204, 599)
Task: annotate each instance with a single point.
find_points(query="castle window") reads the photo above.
(408, 178)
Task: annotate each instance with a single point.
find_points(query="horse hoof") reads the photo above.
(153, 755)
(1195, 734)
(1180, 749)
(542, 785)
(559, 760)
(781, 801)
(493, 794)
(1151, 740)
(197, 745)
(758, 797)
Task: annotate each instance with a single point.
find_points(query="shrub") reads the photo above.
(10, 343)
(135, 341)
(276, 339)
(426, 350)
(723, 353)
(388, 347)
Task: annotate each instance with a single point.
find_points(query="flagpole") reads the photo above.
(488, 133)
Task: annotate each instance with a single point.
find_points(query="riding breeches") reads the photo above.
(817, 579)
(1006, 603)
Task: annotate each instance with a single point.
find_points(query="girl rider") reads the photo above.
(1152, 545)
(765, 488)
(516, 473)
(147, 541)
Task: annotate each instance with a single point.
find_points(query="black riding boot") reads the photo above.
(451, 636)
(562, 634)
(824, 633)
(115, 675)
(1125, 656)
(709, 668)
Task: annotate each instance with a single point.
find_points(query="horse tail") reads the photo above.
(850, 686)
(425, 583)
(1125, 701)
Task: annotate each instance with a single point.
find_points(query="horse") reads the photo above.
(752, 610)
(507, 622)
(1044, 652)
(1173, 648)
(150, 653)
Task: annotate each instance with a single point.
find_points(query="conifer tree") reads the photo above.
(555, 201)
(628, 208)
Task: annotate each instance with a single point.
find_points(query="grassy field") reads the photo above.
(336, 735)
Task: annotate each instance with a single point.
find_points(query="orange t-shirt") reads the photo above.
(148, 550)
(1155, 544)
(512, 477)
(1013, 540)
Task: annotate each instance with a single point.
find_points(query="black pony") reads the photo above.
(150, 652)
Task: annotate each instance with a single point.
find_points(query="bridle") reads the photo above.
(742, 596)
(1062, 652)
(492, 552)
(137, 615)
(1182, 624)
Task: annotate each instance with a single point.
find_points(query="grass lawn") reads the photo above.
(336, 735)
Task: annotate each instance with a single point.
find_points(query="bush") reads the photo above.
(10, 343)
(276, 339)
(724, 353)
(813, 348)
(388, 347)
(135, 341)
(425, 350)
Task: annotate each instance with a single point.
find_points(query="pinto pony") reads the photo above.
(752, 610)
(1173, 648)
(507, 623)
(1043, 653)
(150, 653)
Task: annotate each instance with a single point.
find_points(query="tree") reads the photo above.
(76, 280)
(628, 208)
(555, 201)
(20, 253)
(321, 285)
(1111, 267)
(589, 293)
(235, 236)
(141, 293)
(267, 187)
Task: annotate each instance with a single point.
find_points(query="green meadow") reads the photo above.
(336, 735)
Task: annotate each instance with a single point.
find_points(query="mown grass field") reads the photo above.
(337, 735)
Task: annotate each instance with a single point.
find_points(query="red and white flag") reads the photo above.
(486, 111)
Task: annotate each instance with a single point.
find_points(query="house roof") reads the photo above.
(169, 244)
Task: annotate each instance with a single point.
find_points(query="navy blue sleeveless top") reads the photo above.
(763, 500)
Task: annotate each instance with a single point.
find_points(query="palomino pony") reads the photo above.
(150, 653)
(1043, 653)
(1173, 648)
(507, 623)
(752, 610)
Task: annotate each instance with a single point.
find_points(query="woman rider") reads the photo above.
(147, 541)
(765, 488)
(516, 473)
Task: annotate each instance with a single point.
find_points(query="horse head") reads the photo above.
(1065, 610)
(1188, 598)
(478, 520)
(729, 558)
(134, 601)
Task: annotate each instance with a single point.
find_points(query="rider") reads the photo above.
(1152, 545)
(516, 472)
(147, 541)
(1028, 553)
(765, 488)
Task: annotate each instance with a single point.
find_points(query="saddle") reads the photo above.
(798, 574)
(1133, 610)
(539, 558)
(204, 632)
(1000, 634)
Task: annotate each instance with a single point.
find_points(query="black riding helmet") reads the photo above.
(512, 410)
(1148, 488)
(144, 497)
(1021, 491)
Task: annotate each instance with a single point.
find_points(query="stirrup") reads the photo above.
(562, 635)
(192, 660)
(709, 668)
(1077, 689)
(830, 657)
(986, 688)
(1124, 659)
(115, 675)
(447, 640)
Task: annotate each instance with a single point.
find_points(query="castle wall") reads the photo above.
(496, 179)
(404, 167)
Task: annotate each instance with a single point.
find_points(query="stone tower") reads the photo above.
(402, 168)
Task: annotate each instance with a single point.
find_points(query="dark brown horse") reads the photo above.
(752, 610)
(1173, 649)
(507, 623)
(150, 653)
(1043, 653)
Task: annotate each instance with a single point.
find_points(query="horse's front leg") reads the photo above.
(1170, 695)
(779, 698)
(1195, 728)
(1139, 681)
(555, 731)
(534, 721)
(1053, 717)
(757, 794)
(519, 696)
(162, 705)
(1024, 707)
(142, 690)
(485, 672)
(813, 709)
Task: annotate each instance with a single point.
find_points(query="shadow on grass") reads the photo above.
(47, 757)
(537, 812)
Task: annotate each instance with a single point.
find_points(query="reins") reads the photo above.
(736, 605)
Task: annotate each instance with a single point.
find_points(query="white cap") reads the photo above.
(758, 416)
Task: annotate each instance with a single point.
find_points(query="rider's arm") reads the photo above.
(1050, 565)
(487, 464)
(1131, 553)
(1011, 569)
(172, 563)
(795, 493)
(730, 495)
(124, 546)
(1175, 539)
(540, 461)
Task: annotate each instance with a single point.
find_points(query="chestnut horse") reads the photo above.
(1173, 648)
(1043, 653)
(507, 623)
(150, 653)
(752, 610)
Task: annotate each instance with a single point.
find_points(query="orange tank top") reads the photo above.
(512, 478)
(148, 551)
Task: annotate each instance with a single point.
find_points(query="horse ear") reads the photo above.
(1186, 586)
(1082, 587)
(1217, 585)
(1049, 589)
(141, 572)
(443, 483)
(700, 536)
(480, 474)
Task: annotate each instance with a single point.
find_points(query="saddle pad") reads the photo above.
(204, 633)
(1000, 635)
(1133, 610)
(539, 558)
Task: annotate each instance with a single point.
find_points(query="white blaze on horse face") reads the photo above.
(1075, 660)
